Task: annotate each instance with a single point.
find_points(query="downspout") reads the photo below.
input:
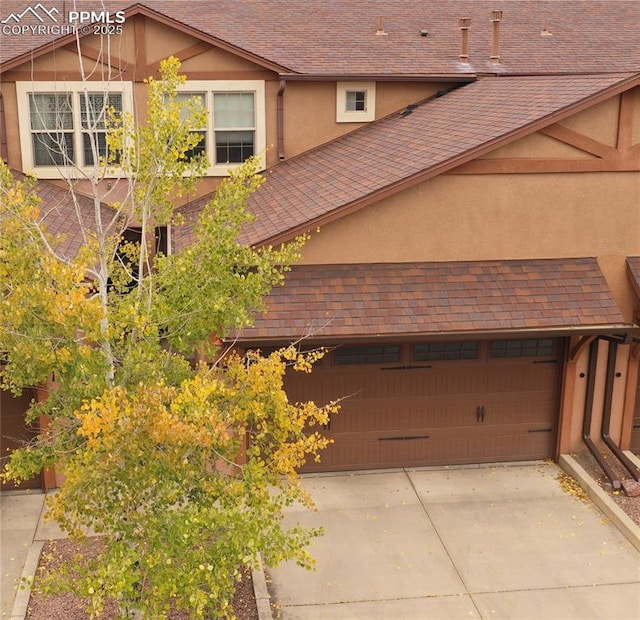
(606, 417)
(4, 150)
(280, 122)
(588, 413)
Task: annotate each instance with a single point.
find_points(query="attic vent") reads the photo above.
(381, 32)
(465, 22)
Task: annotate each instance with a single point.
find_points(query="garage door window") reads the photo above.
(522, 348)
(378, 354)
(429, 352)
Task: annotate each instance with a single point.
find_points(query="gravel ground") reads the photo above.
(69, 607)
(631, 505)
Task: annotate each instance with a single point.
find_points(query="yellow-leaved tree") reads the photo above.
(183, 468)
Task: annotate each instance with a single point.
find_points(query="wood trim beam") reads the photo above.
(619, 162)
(184, 54)
(579, 347)
(49, 76)
(577, 140)
(140, 42)
(625, 120)
(100, 56)
(193, 50)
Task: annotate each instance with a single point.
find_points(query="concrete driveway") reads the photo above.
(492, 542)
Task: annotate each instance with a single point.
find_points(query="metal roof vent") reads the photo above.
(465, 22)
(544, 32)
(496, 18)
(381, 32)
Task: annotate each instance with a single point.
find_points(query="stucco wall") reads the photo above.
(310, 110)
(495, 217)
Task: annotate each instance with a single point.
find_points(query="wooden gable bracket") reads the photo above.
(98, 55)
(579, 346)
(578, 140)
(184, 54)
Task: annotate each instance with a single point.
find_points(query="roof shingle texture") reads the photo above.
(350, 300)
(391, 151)
(66, 216)
(633, 270)
(320, 37)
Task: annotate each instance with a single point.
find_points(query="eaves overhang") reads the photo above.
(385, 77)
(625, 331)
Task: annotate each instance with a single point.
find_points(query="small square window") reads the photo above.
(356, 101)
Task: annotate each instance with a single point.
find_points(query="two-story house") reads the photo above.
(469, 175)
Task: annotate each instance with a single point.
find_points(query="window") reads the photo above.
(374, 354)
(198, 99)
(236, 126)
(51, 124)
(355, 102)
(435, 351)
(95, 110)
(522, 348)
(64, 124)
(234, 123)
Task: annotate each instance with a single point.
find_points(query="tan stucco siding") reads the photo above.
(495, 217)
(599, 122)
(310, 110)
(538, 145)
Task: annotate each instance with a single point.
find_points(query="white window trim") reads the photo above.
(216, 86)
(355, 116)
(24, 89)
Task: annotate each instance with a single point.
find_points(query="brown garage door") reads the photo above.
(14, 432)
(435, 404)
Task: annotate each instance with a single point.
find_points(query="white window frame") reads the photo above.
(208, 88)
(76, 89)
(355, 116)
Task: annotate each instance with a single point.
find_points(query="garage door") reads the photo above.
(14, 432)
(436, 403)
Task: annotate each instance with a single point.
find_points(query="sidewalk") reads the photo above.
(20, 514)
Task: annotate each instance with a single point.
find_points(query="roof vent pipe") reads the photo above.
(465, 22)
(381, 32)
(496, 18)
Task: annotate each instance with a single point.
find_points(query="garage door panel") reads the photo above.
(432, 416)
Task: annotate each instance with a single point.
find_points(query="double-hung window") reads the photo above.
(63, 125)
(199, 99)
(96, 111)
(236, 127)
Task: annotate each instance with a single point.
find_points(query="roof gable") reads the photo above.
(19, 49)
(407, 148)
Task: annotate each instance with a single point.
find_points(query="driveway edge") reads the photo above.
(23, 594)
(617, 516)
(263, 600)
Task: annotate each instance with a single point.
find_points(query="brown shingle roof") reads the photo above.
(339, 301)
(401, 150)
(61, 217)
(633, 271)
(338, 37)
